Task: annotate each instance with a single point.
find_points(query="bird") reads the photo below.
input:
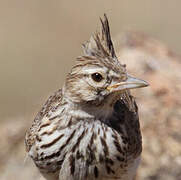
(89, 129)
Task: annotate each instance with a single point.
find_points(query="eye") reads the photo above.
(97, 77)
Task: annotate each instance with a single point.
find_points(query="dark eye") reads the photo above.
(97, 77)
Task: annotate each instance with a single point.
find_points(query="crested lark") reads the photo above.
(90, 128)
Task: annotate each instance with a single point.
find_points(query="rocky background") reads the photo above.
(39, 41)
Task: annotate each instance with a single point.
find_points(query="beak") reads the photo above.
(130, 83)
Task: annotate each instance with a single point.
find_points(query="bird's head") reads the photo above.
(99, 74)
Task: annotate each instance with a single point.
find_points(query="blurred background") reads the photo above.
(39, 42)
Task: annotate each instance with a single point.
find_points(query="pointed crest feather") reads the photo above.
(100, 44)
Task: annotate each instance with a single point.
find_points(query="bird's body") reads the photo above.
(88, 130)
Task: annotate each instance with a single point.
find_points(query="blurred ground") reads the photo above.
(159, 108)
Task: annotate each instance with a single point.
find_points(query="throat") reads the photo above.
(101, 112)
(104, 110)
(111, 111)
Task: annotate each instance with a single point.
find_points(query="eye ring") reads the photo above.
(97, 77)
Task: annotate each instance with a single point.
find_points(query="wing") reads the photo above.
(51, 104)
(125, 120)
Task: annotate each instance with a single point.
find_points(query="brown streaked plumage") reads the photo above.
(89, 129)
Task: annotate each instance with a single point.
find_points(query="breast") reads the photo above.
(105, 150)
